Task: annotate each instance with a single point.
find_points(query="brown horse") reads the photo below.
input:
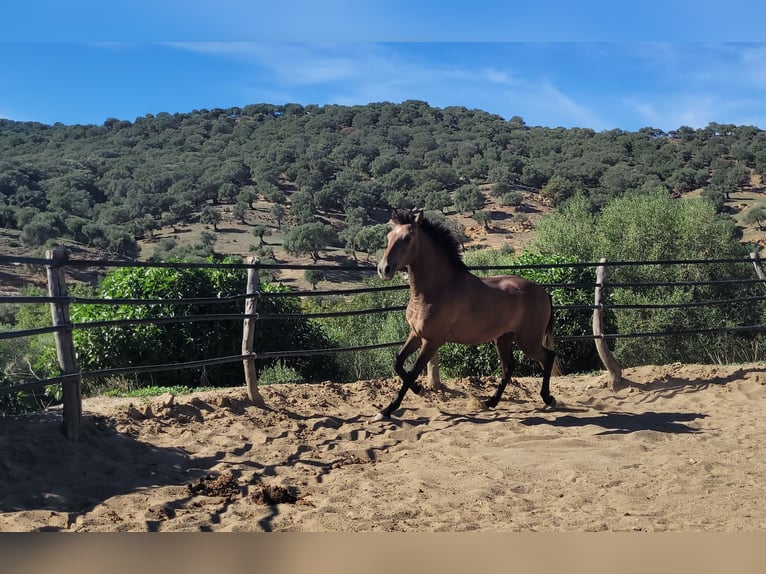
(449, 304)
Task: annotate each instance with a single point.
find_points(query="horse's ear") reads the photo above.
(419, 218)
(394, 216)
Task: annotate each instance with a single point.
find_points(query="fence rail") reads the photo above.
(57, 261)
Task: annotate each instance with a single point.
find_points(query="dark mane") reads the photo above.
(437, 231)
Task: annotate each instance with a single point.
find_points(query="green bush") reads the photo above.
(27, 358)
(653, 226)
(147, 344)
(279, 373)
(357, 330)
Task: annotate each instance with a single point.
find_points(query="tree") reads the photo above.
(655, 227)
(303, 207)
(371, 238)
(558, 189)
(238, 210)
(207, 242)
(37, 233)
(437, 200)
(355, 220)
(248, 195)
(756, 215)
(309, 239)
(260, 231)
(180, 212)
(314, 276)
(468, 199)
(210, 216)
(228, 192)
(277, 211)
(483, 217)
(512, 199)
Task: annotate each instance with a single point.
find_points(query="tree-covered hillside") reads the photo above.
(111, 185)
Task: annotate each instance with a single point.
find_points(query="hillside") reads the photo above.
(151, 187)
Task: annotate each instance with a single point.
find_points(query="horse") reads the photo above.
(449, 304)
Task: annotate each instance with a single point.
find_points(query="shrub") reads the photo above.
(653, 226)
(27, 358)
(279, 373)
(357, 330)
(147, 344)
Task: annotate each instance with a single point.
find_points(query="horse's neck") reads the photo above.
(431, 273)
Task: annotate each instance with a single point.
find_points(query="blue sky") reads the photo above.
(570, 64)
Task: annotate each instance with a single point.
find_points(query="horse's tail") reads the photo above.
(548, 341)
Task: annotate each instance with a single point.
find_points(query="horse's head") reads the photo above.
(402, 244)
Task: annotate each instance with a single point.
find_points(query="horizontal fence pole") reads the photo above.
(36, 385)
(13, 260)
(267, 317)
(164, 367)
(164, 320)
(708, 303)
(328, 314)
(79, 263)
(684, 283)
(310, 352)
(594, 265)
(13, 299)
(339, 292)
(146, 302)
(712, 330)
(32, 332)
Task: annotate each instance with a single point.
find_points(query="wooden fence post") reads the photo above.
(757, 265)
(72, 392)
(248, 334)
(611, 364)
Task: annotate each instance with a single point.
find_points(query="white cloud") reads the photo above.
(674, 83)
(498, 77)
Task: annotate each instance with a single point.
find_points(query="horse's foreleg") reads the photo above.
(411, 345)
(409, 378)
(427, 352)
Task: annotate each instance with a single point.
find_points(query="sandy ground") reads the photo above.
(677, 448)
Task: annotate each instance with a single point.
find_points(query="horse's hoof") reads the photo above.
(489, 404)
(380, 417)
(551, 402)
(417, 388)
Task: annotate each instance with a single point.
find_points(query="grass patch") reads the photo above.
(154, 391)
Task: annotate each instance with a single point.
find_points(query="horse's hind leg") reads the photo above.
(547, 363)
(546, 357)
(504, 346)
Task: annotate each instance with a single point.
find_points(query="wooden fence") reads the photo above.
(56, 263)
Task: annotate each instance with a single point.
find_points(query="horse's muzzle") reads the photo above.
(385, 271)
